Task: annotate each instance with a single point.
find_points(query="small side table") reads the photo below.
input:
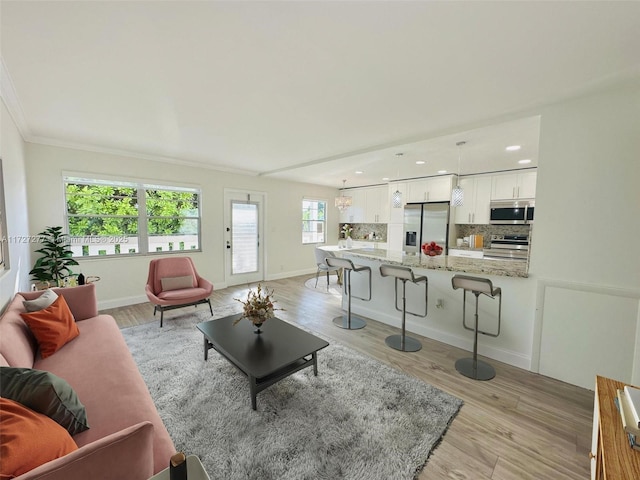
(195, 470)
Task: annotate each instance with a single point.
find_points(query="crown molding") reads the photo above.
(10, 99)
(52, 142)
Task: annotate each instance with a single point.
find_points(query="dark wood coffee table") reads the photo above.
(266, 358)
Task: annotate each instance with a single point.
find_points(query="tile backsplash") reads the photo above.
(487, 230)
(361, 231)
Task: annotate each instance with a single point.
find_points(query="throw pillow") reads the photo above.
(29, 439)
(45, 393)
(43, 301)
(53, 327)
(176, 283)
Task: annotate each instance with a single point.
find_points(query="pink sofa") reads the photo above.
(126, 438)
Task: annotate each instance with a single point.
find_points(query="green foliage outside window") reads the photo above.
(103, 209)
(168, 212)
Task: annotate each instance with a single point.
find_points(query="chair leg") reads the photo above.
(317, 273)
(327, 279)
(348, 321)
(161, 316)
(210, 308)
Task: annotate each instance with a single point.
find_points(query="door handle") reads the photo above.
(228, 244)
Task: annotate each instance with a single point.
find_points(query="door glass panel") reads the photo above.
(244, 237)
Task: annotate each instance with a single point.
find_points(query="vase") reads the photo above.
(257, 330)
(349, 242)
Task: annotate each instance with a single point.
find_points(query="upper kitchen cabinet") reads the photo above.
(368, 205)
(477, 199)
(513, 186)
(434, 189)
(356, 212)
(376, 204)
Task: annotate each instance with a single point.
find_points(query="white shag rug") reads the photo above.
(358, 419)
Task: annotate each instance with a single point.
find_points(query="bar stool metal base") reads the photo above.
(482, 370)
(410, 344)
(355, 324)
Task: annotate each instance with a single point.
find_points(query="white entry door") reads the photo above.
(244, 252)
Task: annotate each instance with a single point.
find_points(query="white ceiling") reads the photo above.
(309, 91)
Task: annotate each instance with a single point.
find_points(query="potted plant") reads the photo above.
(53, 265)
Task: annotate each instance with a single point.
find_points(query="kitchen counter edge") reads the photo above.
(505, 268)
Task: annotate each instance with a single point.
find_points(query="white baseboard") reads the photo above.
(466, 343)
(134, 299)
(280, 276)
(121, 302)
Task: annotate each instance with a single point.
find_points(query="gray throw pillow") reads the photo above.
(176, 283)
(45, 393)
(43, 301)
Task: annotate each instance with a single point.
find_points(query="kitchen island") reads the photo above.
(479, 266)
(444, 306)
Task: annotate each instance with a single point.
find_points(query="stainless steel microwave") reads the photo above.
(512, 212)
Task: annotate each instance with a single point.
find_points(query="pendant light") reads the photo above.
(343, 202)
(457, 194)
(396, 197)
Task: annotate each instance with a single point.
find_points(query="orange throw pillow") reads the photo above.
(28, 439)
(53, 326)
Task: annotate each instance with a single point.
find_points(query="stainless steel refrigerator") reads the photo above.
(425, 222)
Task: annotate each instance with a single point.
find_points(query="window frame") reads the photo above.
(314, 220)
(143, 217)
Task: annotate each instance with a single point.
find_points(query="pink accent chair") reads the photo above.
(169, 286)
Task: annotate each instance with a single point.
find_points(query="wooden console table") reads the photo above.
(611, 456)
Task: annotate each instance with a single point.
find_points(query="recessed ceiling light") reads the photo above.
(526, 160)
(513, 148)
(385, 178)
(420, 162)
(358, 172)
(442, 171)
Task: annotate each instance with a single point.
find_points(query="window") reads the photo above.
(313, 221)
(120, 218)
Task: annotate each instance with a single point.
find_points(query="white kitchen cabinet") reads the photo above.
(455, 252)
(477, 198)
(395, 233)
(368, 205)
(376, 204)
(513, 186)
(434, 189)
(355, 213)
(369, 244)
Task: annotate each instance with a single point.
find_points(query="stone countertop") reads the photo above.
(480, 266)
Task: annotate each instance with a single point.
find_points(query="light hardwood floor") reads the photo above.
(520, 425)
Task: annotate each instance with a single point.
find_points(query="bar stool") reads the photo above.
(404, 274)
(350, 322)
(472, 367)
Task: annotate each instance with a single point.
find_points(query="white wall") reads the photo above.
(123, 279)
(15, 192)
(585, 238)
